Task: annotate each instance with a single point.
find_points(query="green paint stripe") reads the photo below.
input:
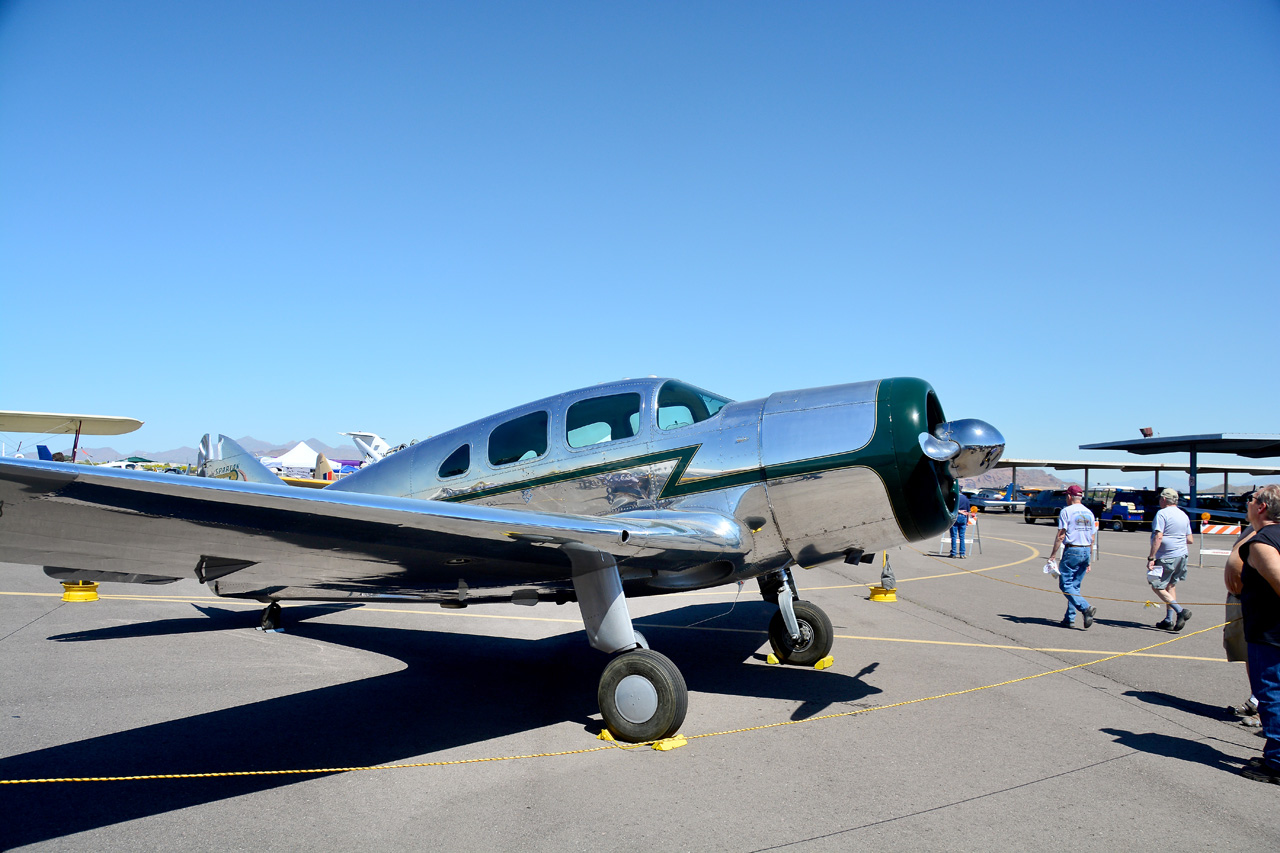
(676, 487)
(682, 457)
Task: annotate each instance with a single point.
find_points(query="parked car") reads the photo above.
(1221, 511)
(1047, 504)
(1131, 509)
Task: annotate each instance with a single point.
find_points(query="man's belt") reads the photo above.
(1079, 546)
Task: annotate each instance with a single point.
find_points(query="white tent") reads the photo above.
(300, 458)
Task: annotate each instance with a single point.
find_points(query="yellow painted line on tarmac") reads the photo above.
(641, 621)
(1034, 553)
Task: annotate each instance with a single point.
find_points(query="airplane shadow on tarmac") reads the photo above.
(455, 689)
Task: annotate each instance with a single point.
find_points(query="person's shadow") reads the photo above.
(1056, 623)
(1191, 706)
(1176, 747)
(1031, 620)
(453, 690)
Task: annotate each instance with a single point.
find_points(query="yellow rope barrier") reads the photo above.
(610, 745)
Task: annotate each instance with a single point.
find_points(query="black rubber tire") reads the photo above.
(1028, 518)
(270, 619)
(667, 682)
(1117, 525)
(816, 635)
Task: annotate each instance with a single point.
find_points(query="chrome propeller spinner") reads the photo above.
(969, 446)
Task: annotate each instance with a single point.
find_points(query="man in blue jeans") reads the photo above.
(1075, 539)
(959, 525)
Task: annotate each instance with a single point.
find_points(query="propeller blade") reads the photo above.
(937, 449)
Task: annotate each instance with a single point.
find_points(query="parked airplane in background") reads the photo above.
(1007, 499)
(49, 423)
(370, 444)
(629, 488)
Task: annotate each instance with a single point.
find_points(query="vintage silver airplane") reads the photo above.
(638, 487)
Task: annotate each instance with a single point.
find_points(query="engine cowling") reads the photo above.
(846, 468)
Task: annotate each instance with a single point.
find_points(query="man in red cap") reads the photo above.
(1075, 539)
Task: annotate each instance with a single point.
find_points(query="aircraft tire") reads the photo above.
(816, 635)
(642, 696)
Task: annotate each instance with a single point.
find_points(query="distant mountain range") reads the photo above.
(998, 478)
(187, 455)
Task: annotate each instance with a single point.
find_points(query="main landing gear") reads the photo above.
(642, 694)
(800, 632)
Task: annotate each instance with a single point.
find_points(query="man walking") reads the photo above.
(1167, 560)
(1075, 539)
(960, 524)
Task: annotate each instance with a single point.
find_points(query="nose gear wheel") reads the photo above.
(816, 635)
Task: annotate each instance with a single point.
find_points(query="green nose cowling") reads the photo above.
(922, 493)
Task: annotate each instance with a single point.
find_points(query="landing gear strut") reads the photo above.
(800, 632)
(642, 694)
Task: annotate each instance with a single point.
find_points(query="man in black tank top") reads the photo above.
(1260, 603)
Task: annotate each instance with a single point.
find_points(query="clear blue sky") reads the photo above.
(294, 219)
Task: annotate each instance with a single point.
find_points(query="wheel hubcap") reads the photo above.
(636, 699)
(806, 637)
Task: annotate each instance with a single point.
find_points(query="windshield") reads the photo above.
(680, 405)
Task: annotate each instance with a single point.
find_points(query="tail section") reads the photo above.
(372, 445)
(227, 460)
(324, 468)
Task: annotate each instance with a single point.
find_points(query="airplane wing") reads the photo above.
(262, 540)
(49, 423)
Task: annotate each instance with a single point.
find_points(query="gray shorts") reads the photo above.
(1175, 571)
(1233, 642)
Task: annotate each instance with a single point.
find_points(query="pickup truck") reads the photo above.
(1130, 509)
(1049, 503)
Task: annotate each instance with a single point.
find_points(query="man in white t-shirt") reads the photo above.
(1167, 560)
(1075, 539)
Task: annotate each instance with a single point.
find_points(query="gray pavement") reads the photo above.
(1134, 752)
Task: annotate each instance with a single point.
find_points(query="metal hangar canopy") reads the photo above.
(1252, 445)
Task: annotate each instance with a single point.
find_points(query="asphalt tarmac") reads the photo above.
(952, 729)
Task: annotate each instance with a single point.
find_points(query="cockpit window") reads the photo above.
(519, 440)
(602, 419)
(457, 464)
(680, 405)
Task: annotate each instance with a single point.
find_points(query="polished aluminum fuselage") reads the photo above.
(784, 468)
(804, 476)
